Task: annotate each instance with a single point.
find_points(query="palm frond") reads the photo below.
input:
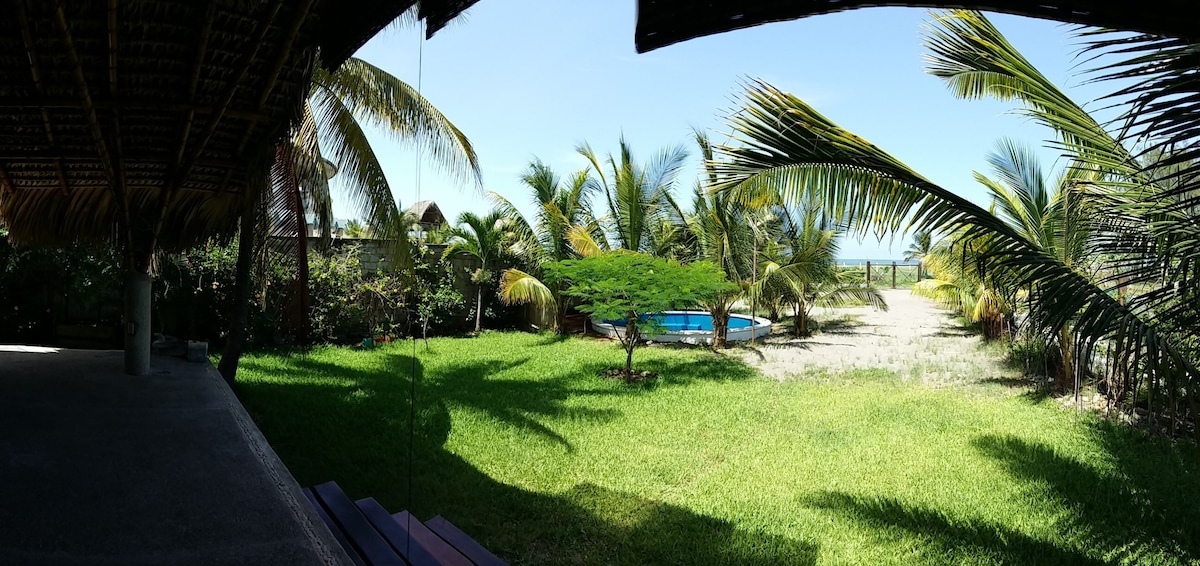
(518, 287)
(583, 241)
(786, 146)
(378, 98)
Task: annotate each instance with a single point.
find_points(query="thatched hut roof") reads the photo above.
(152, 123)
(663, 22)
(427, 212)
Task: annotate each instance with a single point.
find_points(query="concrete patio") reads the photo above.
(98, 467)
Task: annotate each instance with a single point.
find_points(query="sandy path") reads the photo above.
(913, 337)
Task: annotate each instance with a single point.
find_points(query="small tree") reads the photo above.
(635, 287)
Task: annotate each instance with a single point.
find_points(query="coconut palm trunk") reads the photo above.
(478, 306)
(1066, 380)
(800, 322)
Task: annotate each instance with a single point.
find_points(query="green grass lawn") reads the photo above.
(519, 443)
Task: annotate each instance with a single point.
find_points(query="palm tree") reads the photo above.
(957, 283)
(330, 137)
(483, 238)
(787, 147)
(355, 229)
(922, 242)
(722, 235)
(559, 206)
(340, 103)
(806, 275)
(1049, 214)
(638, 197)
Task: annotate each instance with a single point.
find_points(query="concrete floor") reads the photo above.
(97, 467)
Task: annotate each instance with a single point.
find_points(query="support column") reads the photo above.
(137, 322)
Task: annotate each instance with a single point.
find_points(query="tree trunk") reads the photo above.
(720, 318)
(560, 313)
(800, 323)
(478, 307)
(1066, 379)
(304, 324)
(631, 338)
(236, 341)
(629, 361)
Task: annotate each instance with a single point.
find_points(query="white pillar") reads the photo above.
(137, 322)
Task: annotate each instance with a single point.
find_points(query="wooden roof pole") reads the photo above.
(31, 51)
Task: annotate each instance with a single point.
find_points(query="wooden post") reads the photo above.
(919, 277)
(893, 275)
(868, 273)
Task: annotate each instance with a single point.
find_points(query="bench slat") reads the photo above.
(334, 528)
(464, 543)
(364, 538)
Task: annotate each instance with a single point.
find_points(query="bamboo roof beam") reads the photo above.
(182, 170)
(119, 188)
(197, 66)
(35, 73)
(115, 177)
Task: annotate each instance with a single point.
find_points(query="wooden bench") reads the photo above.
(372, 536)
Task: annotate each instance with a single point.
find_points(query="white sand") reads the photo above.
(913, 337)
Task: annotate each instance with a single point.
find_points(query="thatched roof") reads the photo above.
(151, 123)
(427, 212)
(663, 22)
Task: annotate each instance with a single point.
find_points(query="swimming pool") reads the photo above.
(693, 327)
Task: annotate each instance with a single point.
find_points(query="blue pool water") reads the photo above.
(691, 320)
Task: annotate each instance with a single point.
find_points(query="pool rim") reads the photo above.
(759, 328)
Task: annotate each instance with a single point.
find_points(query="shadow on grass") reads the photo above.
(328, 422)
(1141, 511)
(1146, 504)
(945, 539)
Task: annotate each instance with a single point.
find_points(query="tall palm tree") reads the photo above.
(330, 133)
(483, 238)
(1051, 214)
(723, 235)
(1145, 224)
(638, 197)
(560, 205)
(340, 103)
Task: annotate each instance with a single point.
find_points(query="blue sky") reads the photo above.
(529, 79)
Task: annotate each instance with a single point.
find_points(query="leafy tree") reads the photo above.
(436, 297)
(635, 287)
(483, 238)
